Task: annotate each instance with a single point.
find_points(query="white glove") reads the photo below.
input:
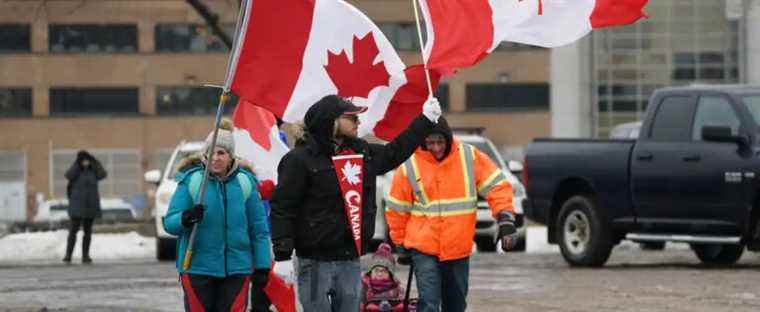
(432, 109)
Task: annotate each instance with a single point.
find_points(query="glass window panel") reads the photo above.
(714, 111)
(506, 96)
(712, 73)
(403, 35)
(753, 104)
(15, 38)
(186, 100)
(180, 38)
(15, 102)
(92, 38)
(684, 74)
(669, 124)
(93, 101)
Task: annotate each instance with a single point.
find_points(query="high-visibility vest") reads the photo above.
(432, 205)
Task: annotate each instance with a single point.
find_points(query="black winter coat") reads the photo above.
(307, 204)
(84, 199)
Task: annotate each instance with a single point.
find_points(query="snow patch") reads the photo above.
(52, 246)
(536, 240)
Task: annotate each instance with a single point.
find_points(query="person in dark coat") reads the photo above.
(308, 213)
(84, 201)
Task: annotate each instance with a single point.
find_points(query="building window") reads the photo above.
(190, 101)
(442, 94)
(15, 102)
(498, 96)
(93, 101)
(685, 42)
(189, 38)
(123, 166)
(15, 38)
(403, 36)
(88, 38)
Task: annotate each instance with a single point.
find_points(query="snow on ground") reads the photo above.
(535, 240)
(44, 246)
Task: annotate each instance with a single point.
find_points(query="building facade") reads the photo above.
(682, 42)
(124, 79)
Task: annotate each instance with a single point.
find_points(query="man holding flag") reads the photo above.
(323, 205)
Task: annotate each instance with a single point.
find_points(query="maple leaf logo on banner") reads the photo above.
(357, 79)
(351, 173)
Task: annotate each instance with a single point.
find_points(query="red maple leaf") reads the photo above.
(357, 79)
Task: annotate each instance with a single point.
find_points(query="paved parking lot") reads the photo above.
(633, 280)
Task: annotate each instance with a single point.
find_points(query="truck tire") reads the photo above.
(584, 237)
(166, 249)
(485, 244)
(718, 254)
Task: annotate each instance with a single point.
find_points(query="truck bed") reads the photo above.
(602, 164)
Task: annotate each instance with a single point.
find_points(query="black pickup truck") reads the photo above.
(691, 177)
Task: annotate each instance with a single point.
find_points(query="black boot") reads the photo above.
(86, 248)
(70, 242)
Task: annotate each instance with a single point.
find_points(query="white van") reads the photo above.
(165, 242)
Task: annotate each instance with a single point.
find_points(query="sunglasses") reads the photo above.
(351, 117)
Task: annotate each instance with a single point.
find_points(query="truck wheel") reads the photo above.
(718, 254)
(584, 237)
(166, 249)
(485, 244)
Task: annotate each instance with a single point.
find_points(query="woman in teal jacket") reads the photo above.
(232, 242)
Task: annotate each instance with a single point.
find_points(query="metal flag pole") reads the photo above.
(239, 32)
(422, 51)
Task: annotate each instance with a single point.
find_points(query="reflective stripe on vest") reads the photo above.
(411, 174)
(444, 207)
(496, 178)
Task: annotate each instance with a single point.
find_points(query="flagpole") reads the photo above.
(422, 52)
(234, 51)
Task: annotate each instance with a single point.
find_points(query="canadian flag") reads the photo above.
(462, 32)
(257, 139)
(290, 53)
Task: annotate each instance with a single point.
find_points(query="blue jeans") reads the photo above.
(325, 286)
(442, 285)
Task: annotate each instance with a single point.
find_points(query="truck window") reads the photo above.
(714, 111)
(672, 121)
(753, 104)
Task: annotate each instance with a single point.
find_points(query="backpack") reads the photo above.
(194, 186)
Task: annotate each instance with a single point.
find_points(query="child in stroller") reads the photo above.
(381, 290)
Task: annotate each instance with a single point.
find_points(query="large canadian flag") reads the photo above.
(258, 139)
(462, 32)
(291, 53)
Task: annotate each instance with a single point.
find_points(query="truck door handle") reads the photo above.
(644, 156)
(693, 157)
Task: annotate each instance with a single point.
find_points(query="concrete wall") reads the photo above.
(571, 103)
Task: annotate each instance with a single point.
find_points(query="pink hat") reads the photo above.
(383, 257)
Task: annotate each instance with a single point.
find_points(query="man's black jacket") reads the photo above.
(307, 204)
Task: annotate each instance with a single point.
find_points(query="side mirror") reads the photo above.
(722, 134)
(515, 166)
(153, 176)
